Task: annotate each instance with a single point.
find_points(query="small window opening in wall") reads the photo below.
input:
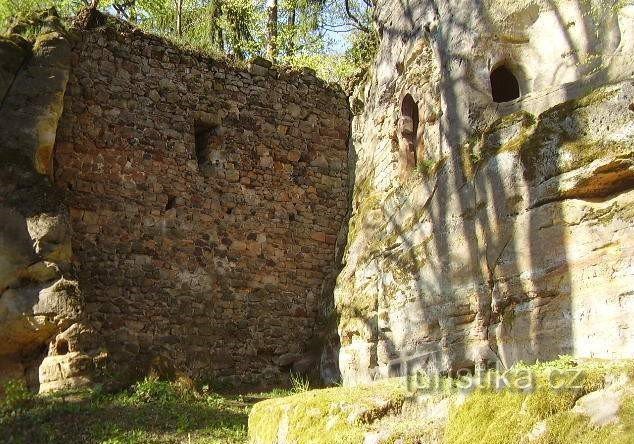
(205, 135)
(171, 203)
(504, 85)
(61, 346)
(409, 128)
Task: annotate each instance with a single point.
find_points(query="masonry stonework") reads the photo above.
(204, 203)
(164, 209)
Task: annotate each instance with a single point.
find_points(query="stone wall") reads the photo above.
(485, 233)
(204, 202)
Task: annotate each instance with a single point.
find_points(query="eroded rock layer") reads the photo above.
(492, 211)
(43, 338)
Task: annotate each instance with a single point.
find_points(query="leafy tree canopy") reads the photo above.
(334, 37)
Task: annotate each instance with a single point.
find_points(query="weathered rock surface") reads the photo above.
(13, 52)
(504, 233)
(39, 297)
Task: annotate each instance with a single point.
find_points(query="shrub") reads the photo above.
(157, 391)
(299, 383)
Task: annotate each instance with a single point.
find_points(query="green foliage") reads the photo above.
(14, 10)
(150, 411)
(425, 167)
(563, 362)
(363, 49)
(16, 397)
(330, 67)
(152, 390)
(299, 383)
(230, 26)
(237, 28)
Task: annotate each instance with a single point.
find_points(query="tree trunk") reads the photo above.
(292, 15)
(271, 45)
(217, 38)
(179, 17)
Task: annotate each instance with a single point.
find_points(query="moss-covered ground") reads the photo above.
(326, 415)
(468, 410)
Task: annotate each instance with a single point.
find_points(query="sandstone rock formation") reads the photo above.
(39, 295)
(491, 218)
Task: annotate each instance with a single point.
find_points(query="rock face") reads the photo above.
(485, 231)
(39, 295)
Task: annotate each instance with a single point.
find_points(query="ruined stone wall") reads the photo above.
(485, 233)
(202, 204)
(216, 259)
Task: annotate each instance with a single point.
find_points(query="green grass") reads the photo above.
(150, 412)
(154, 411)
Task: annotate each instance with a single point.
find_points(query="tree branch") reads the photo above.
(355, 19)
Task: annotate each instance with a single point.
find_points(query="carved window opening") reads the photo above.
(504, 85)
(209, 148)
(409, 130)
(61, 347)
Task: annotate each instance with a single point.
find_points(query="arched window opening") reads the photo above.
(409, 128)
(504, 85)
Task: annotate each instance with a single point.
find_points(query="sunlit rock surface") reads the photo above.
(485, 232)
(39, 295)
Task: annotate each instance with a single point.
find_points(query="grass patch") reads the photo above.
(425, 167)
(152, 411)
(571, 428)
